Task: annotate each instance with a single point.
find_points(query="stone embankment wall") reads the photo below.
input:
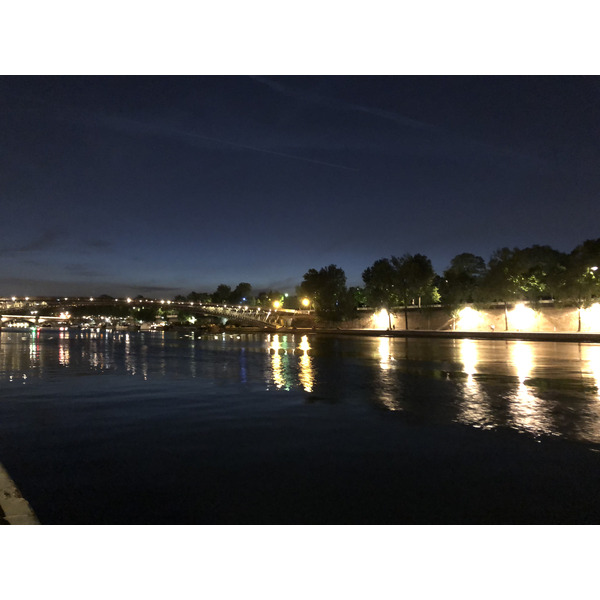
(544, 319)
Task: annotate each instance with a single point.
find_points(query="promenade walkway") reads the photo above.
(534, 336)
(14, 509)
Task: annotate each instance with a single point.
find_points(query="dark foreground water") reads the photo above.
(118, 427)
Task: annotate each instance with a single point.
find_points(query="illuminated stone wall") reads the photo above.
(520, 318)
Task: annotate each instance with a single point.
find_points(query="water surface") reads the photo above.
(117, 427)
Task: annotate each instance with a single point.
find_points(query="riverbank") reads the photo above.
(534, 336)
(14, 509)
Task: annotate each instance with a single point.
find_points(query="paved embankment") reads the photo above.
(14, 509)
(534, 336)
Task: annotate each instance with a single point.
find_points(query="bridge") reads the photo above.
(243, 314)
(247, 315)
(33, 319)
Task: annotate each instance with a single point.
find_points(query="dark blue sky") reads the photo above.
(162, 185)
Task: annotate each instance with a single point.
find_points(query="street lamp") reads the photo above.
(276, 304)
(305, 302)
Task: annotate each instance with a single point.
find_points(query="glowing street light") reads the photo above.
(305, 302)
(276, 304)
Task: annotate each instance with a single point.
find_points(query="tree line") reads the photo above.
(511, 274)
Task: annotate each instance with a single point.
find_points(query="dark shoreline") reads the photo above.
(534, 336)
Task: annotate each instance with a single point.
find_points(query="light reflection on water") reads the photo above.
(475, 408)
(541, 388)
(528, 412)
(590, 355)
(306, 374)
(389, 394)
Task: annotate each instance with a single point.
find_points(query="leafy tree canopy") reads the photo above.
(327, 290)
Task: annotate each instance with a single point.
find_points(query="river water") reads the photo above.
(172, 427)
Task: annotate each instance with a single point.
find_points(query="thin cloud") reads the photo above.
(100, 244)
(153, 288)
(83, 270)
(42, 241)
(332, 103)
(397, 118)
(141, 127)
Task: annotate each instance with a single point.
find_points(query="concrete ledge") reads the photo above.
(14, 509)
(534, 336)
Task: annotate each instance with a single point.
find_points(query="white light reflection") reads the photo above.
(34, 348)
(276, 350)
(387, 382)
(590, 423)
(527, 411)
(522, 359)
(63, 347)
(468, 357)
(590, 354)
(307, 378)
(474, 409)
(129, 357)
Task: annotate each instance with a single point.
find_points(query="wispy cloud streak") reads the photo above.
(397, 118)
(141, 127)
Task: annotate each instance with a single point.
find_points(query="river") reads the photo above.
(178, 428)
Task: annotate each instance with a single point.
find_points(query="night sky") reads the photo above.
(164, 185)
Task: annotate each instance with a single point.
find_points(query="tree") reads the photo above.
(462, 279)
(241, 293)
(358, 295)
(380, 285)
(582, 277)
(327, 290)
(529, 274)
(221, 294)
(266, 298)
(414, 281)
(199, 297)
